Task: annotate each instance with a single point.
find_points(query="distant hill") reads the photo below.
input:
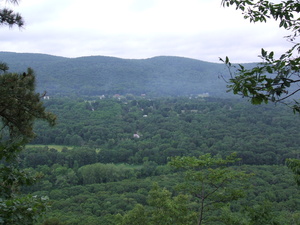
(100, 75)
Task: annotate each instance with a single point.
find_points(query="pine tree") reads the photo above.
(20, 106)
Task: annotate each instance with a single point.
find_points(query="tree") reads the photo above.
(211, 181)
(20, 106)
(274, 79)
(261, 214)
(294, 165)
(162, 209)
(169, 210)
(9, 17)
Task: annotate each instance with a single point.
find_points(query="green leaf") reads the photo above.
(263, 52)
(226, 60)
(269, 69)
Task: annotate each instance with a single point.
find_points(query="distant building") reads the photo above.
(136, 136)
(203, 95)
(117, 96)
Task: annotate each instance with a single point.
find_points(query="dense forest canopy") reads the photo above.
(172, 126)
(102, 160)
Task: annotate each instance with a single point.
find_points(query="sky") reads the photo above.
(138, 29)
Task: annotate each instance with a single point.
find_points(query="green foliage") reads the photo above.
(211, 181)
(136, 216)
(22, 210)
(53, 221)
(9, 18)
(274, 79)
(20, 106)
(162, 209)
(261, 214)
(103, 173)
(232, 218)
(173, 126)
(294, 165)
(168, 210)
(109, 202)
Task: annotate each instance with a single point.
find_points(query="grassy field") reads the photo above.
(57, 147)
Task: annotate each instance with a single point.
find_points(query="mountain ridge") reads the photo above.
(98, 75)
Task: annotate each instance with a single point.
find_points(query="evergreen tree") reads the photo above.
(9, 17)
(19, 107)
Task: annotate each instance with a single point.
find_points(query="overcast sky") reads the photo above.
(199, 29)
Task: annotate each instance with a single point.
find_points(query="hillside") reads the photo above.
(98, 75)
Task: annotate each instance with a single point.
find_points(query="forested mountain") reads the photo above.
(100, 75)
